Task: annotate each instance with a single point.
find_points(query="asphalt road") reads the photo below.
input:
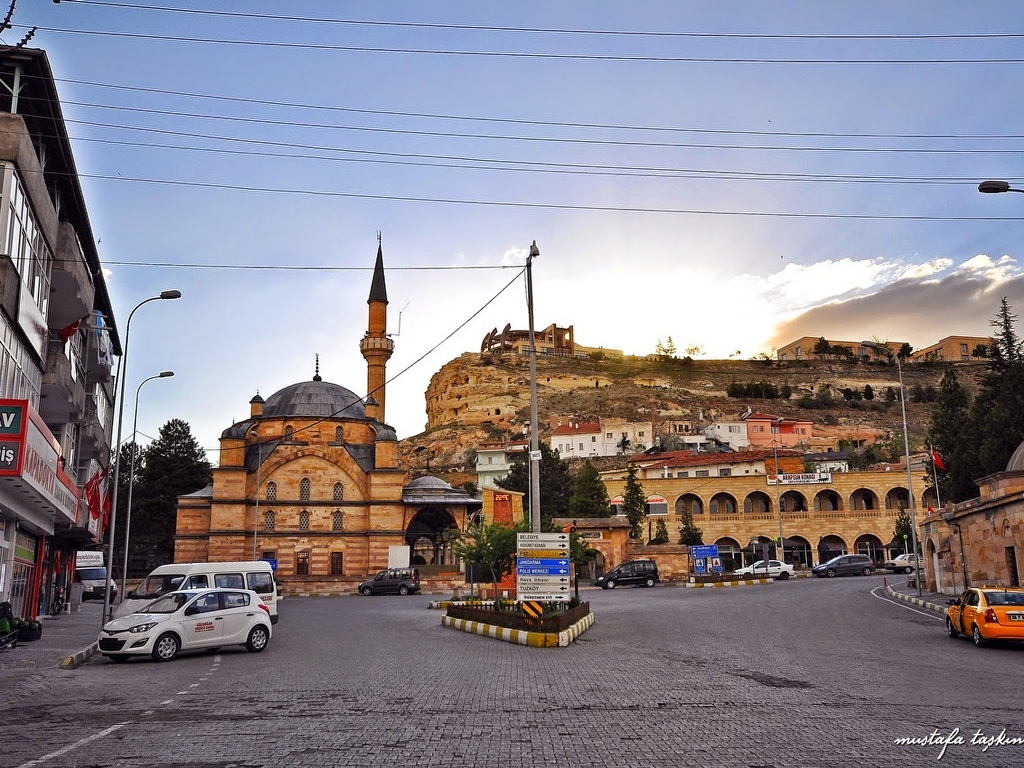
(807, 672)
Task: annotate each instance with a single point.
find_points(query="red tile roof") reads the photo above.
(577, 428)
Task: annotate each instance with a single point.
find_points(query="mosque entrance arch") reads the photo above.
(429, 536)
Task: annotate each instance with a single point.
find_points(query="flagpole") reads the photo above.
(935, 477)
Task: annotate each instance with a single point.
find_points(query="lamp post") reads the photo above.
(906, 451)
(534, 423)
(131, 476)
(122, 370)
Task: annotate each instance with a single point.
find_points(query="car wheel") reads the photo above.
(258, 639)
(366, 591)
(649, 581)
(831, 572)
(783, 575)
(976, 636)
(119, 658)
(866, 571)
(403, 590)
(950, 629)
(166, 647)
(908, 570)
(609, 584)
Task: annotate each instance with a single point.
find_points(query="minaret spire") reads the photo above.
(376, 345)
(316, 374)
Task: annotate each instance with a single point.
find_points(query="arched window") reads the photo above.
(338, 520)
(271, 491)
(269, 521)
(304, 486)
(339, 434)
(288, 432)
(304, 520)
(339, 492)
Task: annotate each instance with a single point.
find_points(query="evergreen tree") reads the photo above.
(1006, 347)
(660, 532)
(589, 494)
(634, 503)
(902, 531)
(689, 533)
(555, 483)
(948, 433)
(173, 465)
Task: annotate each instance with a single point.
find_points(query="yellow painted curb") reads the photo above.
(521, 636)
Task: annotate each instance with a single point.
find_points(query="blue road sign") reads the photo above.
(535, 571)
(543, 562)
(706, 550)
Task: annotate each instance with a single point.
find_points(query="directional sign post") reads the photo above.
(543, 567)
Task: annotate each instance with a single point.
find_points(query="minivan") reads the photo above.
(256, 575)
(394, 581)
(644, 572)
(845, 565)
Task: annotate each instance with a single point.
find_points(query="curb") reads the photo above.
(738, 583)
(78, 658)
(522, 637)
(916, 601)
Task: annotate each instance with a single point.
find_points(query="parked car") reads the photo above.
(903, 563)
(642, 572)
(987, 613)
(186, 620)
(392, 581)
(776, 570)
(845, 565)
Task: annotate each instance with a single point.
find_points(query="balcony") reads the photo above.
(71, 287)
(94, 442)
(62, 397)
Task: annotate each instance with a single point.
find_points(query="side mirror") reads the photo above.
(951, 601)
(191, 610)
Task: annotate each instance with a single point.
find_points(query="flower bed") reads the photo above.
(510, 616)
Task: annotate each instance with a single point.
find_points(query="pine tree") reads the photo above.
(634, 503)
(555, 483)
(689, 534)
(589, 494)
(660, 532)
(948, 433)
(902, 530)
(173, 465)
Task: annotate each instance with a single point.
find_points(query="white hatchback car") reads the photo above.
(186, 620)
(776, 570)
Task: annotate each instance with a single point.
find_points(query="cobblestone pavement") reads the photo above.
(801, 673)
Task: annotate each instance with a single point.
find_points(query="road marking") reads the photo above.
(901, 604)
(45, 758)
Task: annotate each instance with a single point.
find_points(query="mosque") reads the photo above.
(312, 481)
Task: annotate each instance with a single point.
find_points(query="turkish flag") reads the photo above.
(92, 492)
(937, 460)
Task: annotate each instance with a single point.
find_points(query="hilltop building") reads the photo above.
(952, 348)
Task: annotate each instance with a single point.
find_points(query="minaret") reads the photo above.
(376, 345)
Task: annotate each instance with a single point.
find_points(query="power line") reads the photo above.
(648, 58)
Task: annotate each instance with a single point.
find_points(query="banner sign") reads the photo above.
(802, 478)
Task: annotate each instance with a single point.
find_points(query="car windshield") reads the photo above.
(167, 604)
(154, 586)
(92, 574)
(1005, 598)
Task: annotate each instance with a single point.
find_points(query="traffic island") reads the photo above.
(538, 625)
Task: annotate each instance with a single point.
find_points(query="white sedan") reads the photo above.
(191, 619)
(776, 570)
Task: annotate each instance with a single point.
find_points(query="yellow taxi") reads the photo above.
(987, 613)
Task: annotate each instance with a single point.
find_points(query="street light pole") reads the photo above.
(131, 477)
(122, 371)
(906, 451)
(534, 422)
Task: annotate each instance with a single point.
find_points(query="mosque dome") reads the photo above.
(316, 399)
(429, 482)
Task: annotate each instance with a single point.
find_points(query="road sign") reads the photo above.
(543, 562)
(705, 550)
(543, 553)
(529, 538)
(542, 580)
(545, 596)
(546, 546)
(532, 570)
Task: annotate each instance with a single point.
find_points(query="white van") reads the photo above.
(256, 575)
(91, 572)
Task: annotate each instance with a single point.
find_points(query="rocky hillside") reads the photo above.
(480, 398)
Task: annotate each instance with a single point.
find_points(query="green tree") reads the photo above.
(869, 393)
(173, 465)
(670, 347)
(902, 531)
(689, 533)
(624, 445)
(822, 348)
(660, 532)
(555, 483)
(589, 494)
(634, 503)
(490, 547)
(905, 351)
(1005, 349)
(949, 432)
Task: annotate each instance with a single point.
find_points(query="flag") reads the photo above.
(92, 492)
(71, 330)
(106, 511)
(937, 460)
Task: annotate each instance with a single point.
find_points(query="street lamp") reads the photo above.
(906, 450)
(991, 187)
(122, 370)
(534, 422)
(131, 477)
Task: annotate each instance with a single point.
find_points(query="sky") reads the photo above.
(730, 175)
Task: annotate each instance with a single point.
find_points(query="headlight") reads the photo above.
(139, 628)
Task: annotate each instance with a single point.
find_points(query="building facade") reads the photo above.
(312, 482)
(57, 342)
(952, 349)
